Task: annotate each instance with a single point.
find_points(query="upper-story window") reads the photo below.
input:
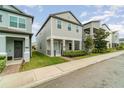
(0, 18)
(13, 21)
(59, 26)
(17, 22)
(77, 29)
(21, 23)
(69, 27)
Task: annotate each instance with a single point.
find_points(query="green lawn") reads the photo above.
(39, 60)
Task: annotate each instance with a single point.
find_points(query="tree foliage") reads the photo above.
(99, 39)
(88, 44)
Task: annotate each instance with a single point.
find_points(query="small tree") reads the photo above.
(99, 39)
(88, 44)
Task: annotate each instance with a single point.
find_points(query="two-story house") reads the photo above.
(90, 27)
(15, 33)
(115, 38)
(60, 32)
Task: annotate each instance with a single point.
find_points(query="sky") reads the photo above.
(113, 16)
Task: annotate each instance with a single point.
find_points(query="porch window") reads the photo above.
(69, 27)
(13, 21)
(21, 23)
(59, 24)
(70, 46)
(0, 18)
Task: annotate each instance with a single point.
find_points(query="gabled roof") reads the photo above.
(91, 22)
(65, 12)
(54, 16)
(19, 13)
(106, 26)
(17, 9)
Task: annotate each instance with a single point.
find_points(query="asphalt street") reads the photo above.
(106, 74)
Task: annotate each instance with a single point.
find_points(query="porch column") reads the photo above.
(73, 45)
(91, 32)
(63, 45)
(27, 51)
(80, 45)
(3, 45)
(52, 47)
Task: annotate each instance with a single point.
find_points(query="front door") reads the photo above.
(18, 49)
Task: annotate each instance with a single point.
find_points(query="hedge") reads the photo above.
(120, 47)
(2, 63)
(95, 50)
(74, 53)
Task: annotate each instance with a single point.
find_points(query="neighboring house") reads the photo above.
(15, 33)
(115, 38)
(90, 27)
(121, 40)
(60, 32)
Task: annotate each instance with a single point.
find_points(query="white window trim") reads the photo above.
(70, 26)
(17, 28)
(57, 23)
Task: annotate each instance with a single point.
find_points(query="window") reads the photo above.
(69, 27)
(77, 29)
(70, 46)
(0, 18)
(21, 23)
(13, 21)
(59, 24)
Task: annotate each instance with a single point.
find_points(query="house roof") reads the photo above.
(54, 16)
(106, 26)
(19, 13)
(91, 22)
(8, 30)
(66, 12)
(121, 39)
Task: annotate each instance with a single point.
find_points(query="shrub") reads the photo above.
(120, 47)
(2, 63)
(74, 53)
(95, 50)
(2, 57)
(111, 50)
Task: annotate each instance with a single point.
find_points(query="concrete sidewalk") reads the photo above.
(37, 76)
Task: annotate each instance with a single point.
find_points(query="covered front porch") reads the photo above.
(56, 47)
(15, 47)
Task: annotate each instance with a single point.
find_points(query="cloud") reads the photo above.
(104, 17)
(38, 7)
(35, 27)
(27, 12)
(83, 14)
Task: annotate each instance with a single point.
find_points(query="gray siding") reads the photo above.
(42, 37)
(6, 21)
(67, 16)
(63, 32)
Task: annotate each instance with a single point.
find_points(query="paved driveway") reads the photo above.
(109, 73)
